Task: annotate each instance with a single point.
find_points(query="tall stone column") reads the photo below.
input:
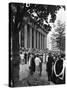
(20, 39)
(40, 40)
(25, 36)
(30, 37)
(45, 42)
(34, 38)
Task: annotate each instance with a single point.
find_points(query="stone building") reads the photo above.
(32, 35)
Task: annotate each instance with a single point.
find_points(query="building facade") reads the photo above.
(32, 35)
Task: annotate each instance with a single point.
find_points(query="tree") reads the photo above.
(60, 35)
(19, 10)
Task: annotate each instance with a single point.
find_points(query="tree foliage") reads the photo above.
(19, 10)
(60, 35)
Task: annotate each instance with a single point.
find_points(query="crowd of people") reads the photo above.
(55, 66)
(35, 64)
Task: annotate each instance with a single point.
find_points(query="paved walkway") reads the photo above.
(24, 73)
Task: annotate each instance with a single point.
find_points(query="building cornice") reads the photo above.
(29, 20)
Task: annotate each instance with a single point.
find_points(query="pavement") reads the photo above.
(24, 74)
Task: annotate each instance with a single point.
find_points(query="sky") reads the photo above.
(59, 16)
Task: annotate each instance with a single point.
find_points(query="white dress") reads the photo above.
(37, 62)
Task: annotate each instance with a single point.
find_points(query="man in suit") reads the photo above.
(49, 66)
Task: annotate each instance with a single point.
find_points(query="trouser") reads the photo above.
(49, 74)
(39, 69)
(40, 65)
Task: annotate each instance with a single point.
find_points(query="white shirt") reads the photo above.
(44, 57)
(22, 56)
(37, 61)
(47, 58)
(29, 61)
